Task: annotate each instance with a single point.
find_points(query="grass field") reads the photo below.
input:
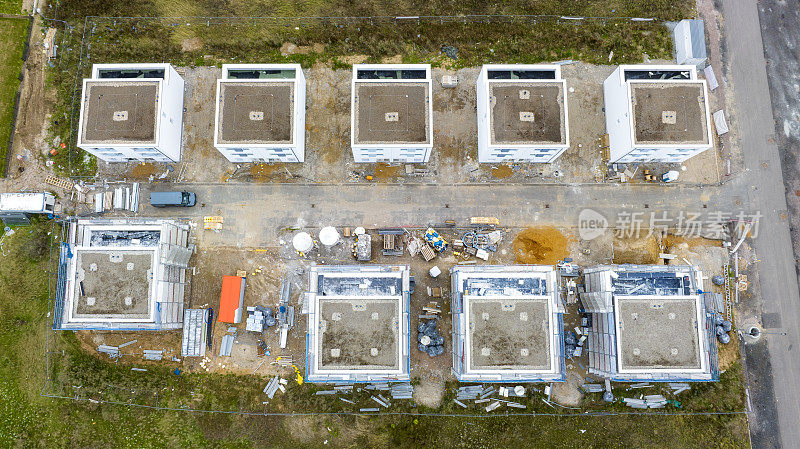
(10, 6)
(13, 33)
(246, 40)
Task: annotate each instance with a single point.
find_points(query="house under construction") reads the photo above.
(507, 324)
(358, 323)
(649, 323)
(123, 274)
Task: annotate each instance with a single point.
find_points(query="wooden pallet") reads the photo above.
(427, 252)
(58, 182)
(485, 220)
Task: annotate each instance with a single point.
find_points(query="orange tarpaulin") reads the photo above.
(231, 299)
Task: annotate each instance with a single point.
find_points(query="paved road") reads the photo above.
(777, 275)
(255, 212)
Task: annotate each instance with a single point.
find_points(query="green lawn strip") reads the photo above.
(13, 33)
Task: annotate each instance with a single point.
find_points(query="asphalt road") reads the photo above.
(254, 213)
(777, 269)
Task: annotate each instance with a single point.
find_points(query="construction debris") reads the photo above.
(362, 248)
(380, 402)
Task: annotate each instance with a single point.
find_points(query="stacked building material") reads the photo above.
(649, 401)
(429, 339)
(112, 351)
(227, 346)
(402, 390)
(272, 386)
(679, 387)
(592, 388)
(153, 354)
(472, 392)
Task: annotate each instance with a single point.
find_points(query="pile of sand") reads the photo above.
(542, 245)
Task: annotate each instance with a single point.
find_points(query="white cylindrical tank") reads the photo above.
(328, 236)
(302, 242)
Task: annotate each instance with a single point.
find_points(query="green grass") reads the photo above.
(10, 6)
(12, 43)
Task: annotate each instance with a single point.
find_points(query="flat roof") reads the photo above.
(258, 112)
(23, 202)
(669, 112)
(117, 111)
(508, 323)
(230, 298)
(358, 323)
(113, 283)
(527, 112)
(658, 333)
(508, 333)
(391, 112)
(359, 333)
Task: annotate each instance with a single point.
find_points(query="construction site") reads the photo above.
(375, 308)
(410, 236)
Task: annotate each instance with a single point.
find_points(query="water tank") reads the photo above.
(329, 236)
(720, 330)
(727, 326)
(724, 339)
(302, 242)
(608, 396)
(718, 280)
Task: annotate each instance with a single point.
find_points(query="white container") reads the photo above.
(302, 242)
(435, 271)
(329, 236)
